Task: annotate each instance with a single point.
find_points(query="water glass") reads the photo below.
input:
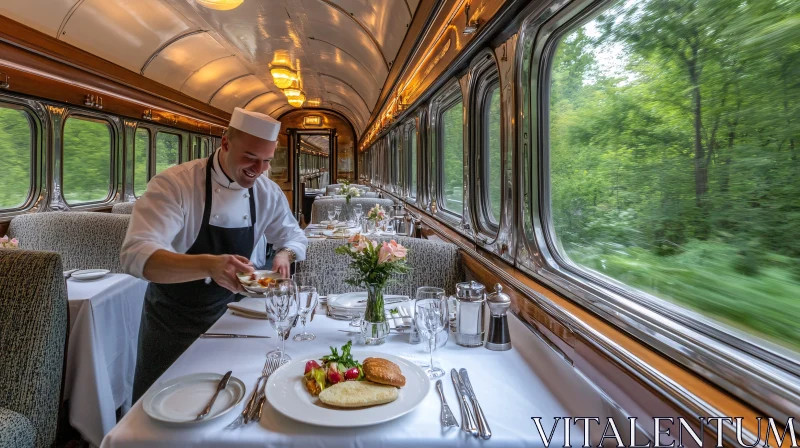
(337, 210)
(358, 211)
(430, 316)
(282, 310)
(331, 214)
(307, 300)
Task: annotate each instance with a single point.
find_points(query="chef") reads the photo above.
(194, 229)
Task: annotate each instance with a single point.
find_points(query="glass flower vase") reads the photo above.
(374, 327)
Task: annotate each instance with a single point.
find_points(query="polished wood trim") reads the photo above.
(4, 228)
(35, 57)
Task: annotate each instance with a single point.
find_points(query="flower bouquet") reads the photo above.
(6, 243)
(349, 192)
(373, 265)
(376, 214)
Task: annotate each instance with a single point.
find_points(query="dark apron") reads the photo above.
(174, 315)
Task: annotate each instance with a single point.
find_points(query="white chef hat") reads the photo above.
(261, 125)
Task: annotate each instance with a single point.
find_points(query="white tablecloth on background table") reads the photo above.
(512, 386)
(104, 317)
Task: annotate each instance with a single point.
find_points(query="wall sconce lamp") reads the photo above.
(312, 120)
(472, 26)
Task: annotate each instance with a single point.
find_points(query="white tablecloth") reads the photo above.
(512, 386)
(104, 317)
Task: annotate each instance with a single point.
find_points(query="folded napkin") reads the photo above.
(401, 319)
(249, 308)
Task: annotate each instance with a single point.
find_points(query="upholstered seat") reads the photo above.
(371, 194)
(123, 208)
(433, 263)
(330, 189)
(85, 240)
(319, 211)
(16, 431)
(33, 334)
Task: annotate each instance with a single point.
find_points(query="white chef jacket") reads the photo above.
(169, 214)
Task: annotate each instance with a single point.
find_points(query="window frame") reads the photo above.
(113, 145)
(444, 100)
(36, 177)
(749, 369)
(410, 133)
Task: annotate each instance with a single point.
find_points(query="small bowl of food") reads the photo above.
(258, 281)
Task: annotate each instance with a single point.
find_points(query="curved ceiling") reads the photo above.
(343, 49)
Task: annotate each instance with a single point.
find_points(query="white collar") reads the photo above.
(219, 176)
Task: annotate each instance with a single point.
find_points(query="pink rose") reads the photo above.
(355, 238)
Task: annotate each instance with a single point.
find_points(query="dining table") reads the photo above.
(529, 380)
(104, 317)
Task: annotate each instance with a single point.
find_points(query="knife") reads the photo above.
(483, 425)
(223, 383)
(229, 335)
(467, 420)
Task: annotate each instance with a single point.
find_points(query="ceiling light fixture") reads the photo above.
(472, 26)
(297, 101)
(283, 76)
(220, 5)
(293, 92)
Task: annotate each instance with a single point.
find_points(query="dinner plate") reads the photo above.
(335, 223)
(90, 274)
(179, 400)
(288, 395)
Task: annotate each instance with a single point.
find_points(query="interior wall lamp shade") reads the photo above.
(283, 77)
(220, 5)
(293, 92)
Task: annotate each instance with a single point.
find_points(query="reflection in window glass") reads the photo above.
(413, 145)
(16, 137)
(167, 150)
(87, 160)
(678, 181)
(453, 159)
(494, 170)
(141, 153)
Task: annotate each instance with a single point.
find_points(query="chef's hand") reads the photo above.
(223, 270)
(282, 263)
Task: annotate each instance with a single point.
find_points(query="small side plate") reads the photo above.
(179, 400)
(90, 274)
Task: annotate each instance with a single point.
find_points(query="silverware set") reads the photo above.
(473, 421)
(253, 408)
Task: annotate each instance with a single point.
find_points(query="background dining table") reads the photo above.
(104, 317)
(512, 386)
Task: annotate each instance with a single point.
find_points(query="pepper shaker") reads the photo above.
(498, 337)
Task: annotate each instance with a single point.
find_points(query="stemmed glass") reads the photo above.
(331, 215)
(282, 308)
(358, 211)
(307, 297)
(337, 209)
(430, 316)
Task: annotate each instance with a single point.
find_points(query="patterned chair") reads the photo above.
(33, 335)
(319, 211)
(85, 240)
(433, 263)
(123, 208)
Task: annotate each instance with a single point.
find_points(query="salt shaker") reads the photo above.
(469, 301)
(498, 338)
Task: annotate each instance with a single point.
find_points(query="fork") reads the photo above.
(255, 412)
(241, 419)
(447, 417)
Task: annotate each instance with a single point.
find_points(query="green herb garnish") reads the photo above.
(346, 359)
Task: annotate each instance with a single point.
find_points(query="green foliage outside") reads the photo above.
(167, 150)
(87, 160)
(15, 156)
(674, 128)
(453, 158)
(141, 152)
(494, 171)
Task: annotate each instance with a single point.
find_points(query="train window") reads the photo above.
(16, 141)
(452, 144)
(412, 145)
(492, 155)
(141, 154)
(673, 158)
(167, 150)
(87, 160)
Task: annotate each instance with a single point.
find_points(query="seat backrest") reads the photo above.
(331, 188)
(123, 208)
(433, 263)
(33, 333)
(85, 240)
(371, 194)
(319, 211)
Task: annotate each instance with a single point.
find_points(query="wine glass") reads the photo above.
(430, 316)
(282, 308)
(307, 297)
(331, 215)
(358, 211)
(337, 209)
